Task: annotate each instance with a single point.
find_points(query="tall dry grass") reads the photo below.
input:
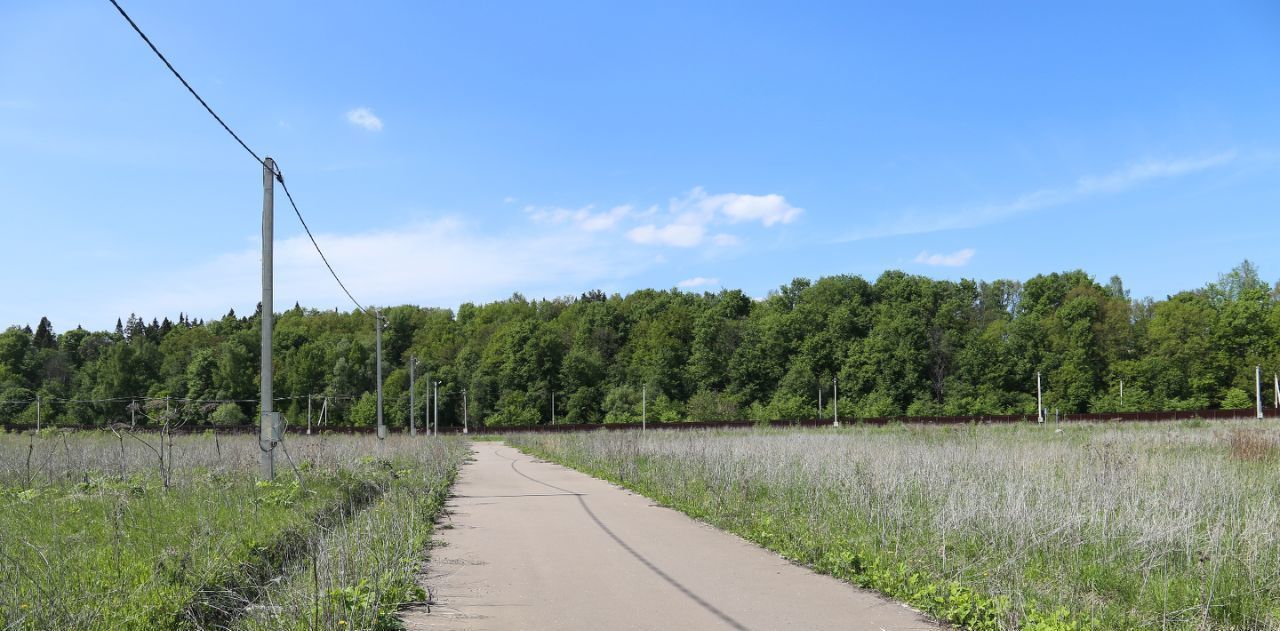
(1122, 527)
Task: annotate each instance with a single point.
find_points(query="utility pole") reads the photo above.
(1257, 387)
(377, 325)
(464, 411)
(435, 407)
(267, 436)
(413, 428)
(1276, 400)
(309, 415)
(644, 407)
(835, 400)
(1039, 401)
(819, 402)
(553, 408)
(37, 412)
(1122, 392)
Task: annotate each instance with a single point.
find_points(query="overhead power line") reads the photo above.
(184, 81)
(276, 172)
(289, 196)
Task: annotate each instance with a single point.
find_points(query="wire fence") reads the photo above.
(985, 419)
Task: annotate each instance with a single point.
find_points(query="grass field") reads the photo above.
(1173, 526)
(99, 531)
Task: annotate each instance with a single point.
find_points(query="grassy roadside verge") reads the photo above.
(988, 528)
(92, 538)
(359, 571)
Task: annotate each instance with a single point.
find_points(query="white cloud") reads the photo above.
(959, 258)
(582, 218)
(680, 235)
(364, 117)
(697, 281)
(767, 209)
(509, 200)
(1084, 187)
(696, 211)
(440, 263)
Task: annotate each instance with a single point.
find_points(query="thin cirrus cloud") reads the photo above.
(364, 118)
(386, 267)
(697, 281)
(582, 218)
(1084, 187)
(697, 211)
(959, 258)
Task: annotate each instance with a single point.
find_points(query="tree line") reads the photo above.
(903, 344)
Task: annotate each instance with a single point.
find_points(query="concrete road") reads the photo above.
(533, 545)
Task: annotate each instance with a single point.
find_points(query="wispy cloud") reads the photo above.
(582, 218)
(959, 258)
(387, 267)
(1083, 188)
(365, 118)
(697, 281)
(679, 234)
(692, 214)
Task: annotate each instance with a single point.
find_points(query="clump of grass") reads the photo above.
(1253, 445)
(1104, 527)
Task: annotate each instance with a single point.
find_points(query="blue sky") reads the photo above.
(451, 152)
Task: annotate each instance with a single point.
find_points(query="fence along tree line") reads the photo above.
(901, 345)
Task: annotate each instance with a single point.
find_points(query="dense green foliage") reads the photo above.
(992, 528)
(901, 345)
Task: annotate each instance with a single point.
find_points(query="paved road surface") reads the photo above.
(534, 545)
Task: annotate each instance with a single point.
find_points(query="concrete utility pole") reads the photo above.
(644, 407)
(553, 408)
(1039, 401)
(413, 428)
(1122, 392)
(377, 325)
(835, 400)
(819, 402)
(1276, 400)
(464, 411)
(267, 436)
(1257, 387)
(435, 407)
(37, 412)
(309, 415)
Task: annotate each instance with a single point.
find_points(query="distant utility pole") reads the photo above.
(835, 400)
(553, 408)
(644, 407)
(37, 412)
(1039, 401)
(413, 428)
(377, 326)
(435, 407)
(1276, 400)
(819, 401)
(1257, 387)
(268, 436)
(309, 397)
(1122, 392)
(464, 411)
